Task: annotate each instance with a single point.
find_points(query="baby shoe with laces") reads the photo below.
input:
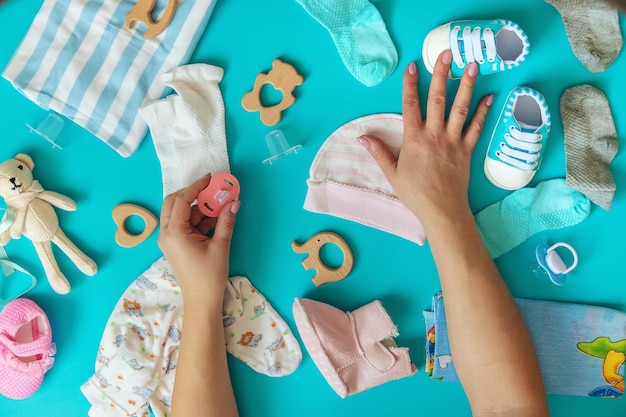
(26, 348)
(518, 140)
(495, 45)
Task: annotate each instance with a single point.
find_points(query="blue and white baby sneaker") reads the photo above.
(495, 45)
(518, 140)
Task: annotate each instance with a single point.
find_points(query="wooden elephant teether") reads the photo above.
(323, 273)
(283, 77)
(142, 12)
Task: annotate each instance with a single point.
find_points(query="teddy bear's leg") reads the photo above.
(57, 280)
(85, 264)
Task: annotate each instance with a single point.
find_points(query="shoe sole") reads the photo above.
(437, 40)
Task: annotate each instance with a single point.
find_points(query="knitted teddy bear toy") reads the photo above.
(36, 219)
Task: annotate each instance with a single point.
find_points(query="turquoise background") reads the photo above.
(243, 37)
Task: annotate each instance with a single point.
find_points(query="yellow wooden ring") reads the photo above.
(122, 212)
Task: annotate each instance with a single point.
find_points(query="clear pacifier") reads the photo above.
(222, 189)
(551, 263)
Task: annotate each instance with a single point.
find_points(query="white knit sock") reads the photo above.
(592, 30)
(188, 128)
(255, 333)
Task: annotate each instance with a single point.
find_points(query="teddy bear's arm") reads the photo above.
(17, 227)
(58, 200)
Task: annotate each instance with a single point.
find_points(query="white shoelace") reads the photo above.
(475, 45)
(520, 149)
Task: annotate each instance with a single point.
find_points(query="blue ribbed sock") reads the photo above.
(527, 211)
(360, 36)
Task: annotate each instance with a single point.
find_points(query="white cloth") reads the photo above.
(78, 60)
(188, 128)
(136, 361)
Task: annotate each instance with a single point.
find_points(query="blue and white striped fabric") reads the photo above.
(78, 60)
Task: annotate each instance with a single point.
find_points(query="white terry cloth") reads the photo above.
(78, 60)
(188, 128)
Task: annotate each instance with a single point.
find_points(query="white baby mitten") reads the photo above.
(255, 333)
(188, 128)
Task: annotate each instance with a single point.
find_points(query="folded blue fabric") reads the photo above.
(581, 348)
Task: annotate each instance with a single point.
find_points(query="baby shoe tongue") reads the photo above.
(527, 128)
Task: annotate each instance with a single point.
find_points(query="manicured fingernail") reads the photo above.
(489, 101)
(412, 68)
(472, 69)
(363, 141)
(234, 208)
(447, 57)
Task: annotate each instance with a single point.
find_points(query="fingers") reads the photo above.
(436, 107)
(461, 104)
(166, 210)
(475, 127)
(226, 222)
(180, 213)
(381, 154)
(411, 111)
(199, 222)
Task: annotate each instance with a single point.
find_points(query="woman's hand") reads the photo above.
(200, 263)
(431, 173)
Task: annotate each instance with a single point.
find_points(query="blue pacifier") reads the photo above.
(552, 264)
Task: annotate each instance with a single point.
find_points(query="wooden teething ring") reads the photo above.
(122, 212)
(323, 273)
(142, 12)
(283, 77)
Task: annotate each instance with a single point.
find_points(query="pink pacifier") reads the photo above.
(222, 189)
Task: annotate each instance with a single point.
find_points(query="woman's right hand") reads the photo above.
(431, 173)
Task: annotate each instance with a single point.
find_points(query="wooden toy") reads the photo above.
(142, 12)
(312, 248)
(283, 77)
(122, 212)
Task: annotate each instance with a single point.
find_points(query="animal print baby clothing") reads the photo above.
(138, 353)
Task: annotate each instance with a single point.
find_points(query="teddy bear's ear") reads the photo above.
(27, 160)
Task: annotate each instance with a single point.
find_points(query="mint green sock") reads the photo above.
(527, 211)
(360, 36)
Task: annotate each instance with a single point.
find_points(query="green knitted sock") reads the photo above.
(527, 211)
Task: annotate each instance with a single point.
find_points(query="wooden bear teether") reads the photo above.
(283, 77)
(142, 12)
(323, 273)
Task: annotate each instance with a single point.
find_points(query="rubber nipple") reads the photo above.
(49, 128)
(278, 146)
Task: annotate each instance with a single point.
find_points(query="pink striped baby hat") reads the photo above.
(355, 350)
(345, 181)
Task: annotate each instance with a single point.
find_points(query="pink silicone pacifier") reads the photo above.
(222, 189)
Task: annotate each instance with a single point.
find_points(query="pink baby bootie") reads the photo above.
(26, 348)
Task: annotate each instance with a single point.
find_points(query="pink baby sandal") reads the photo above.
(26, 348)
